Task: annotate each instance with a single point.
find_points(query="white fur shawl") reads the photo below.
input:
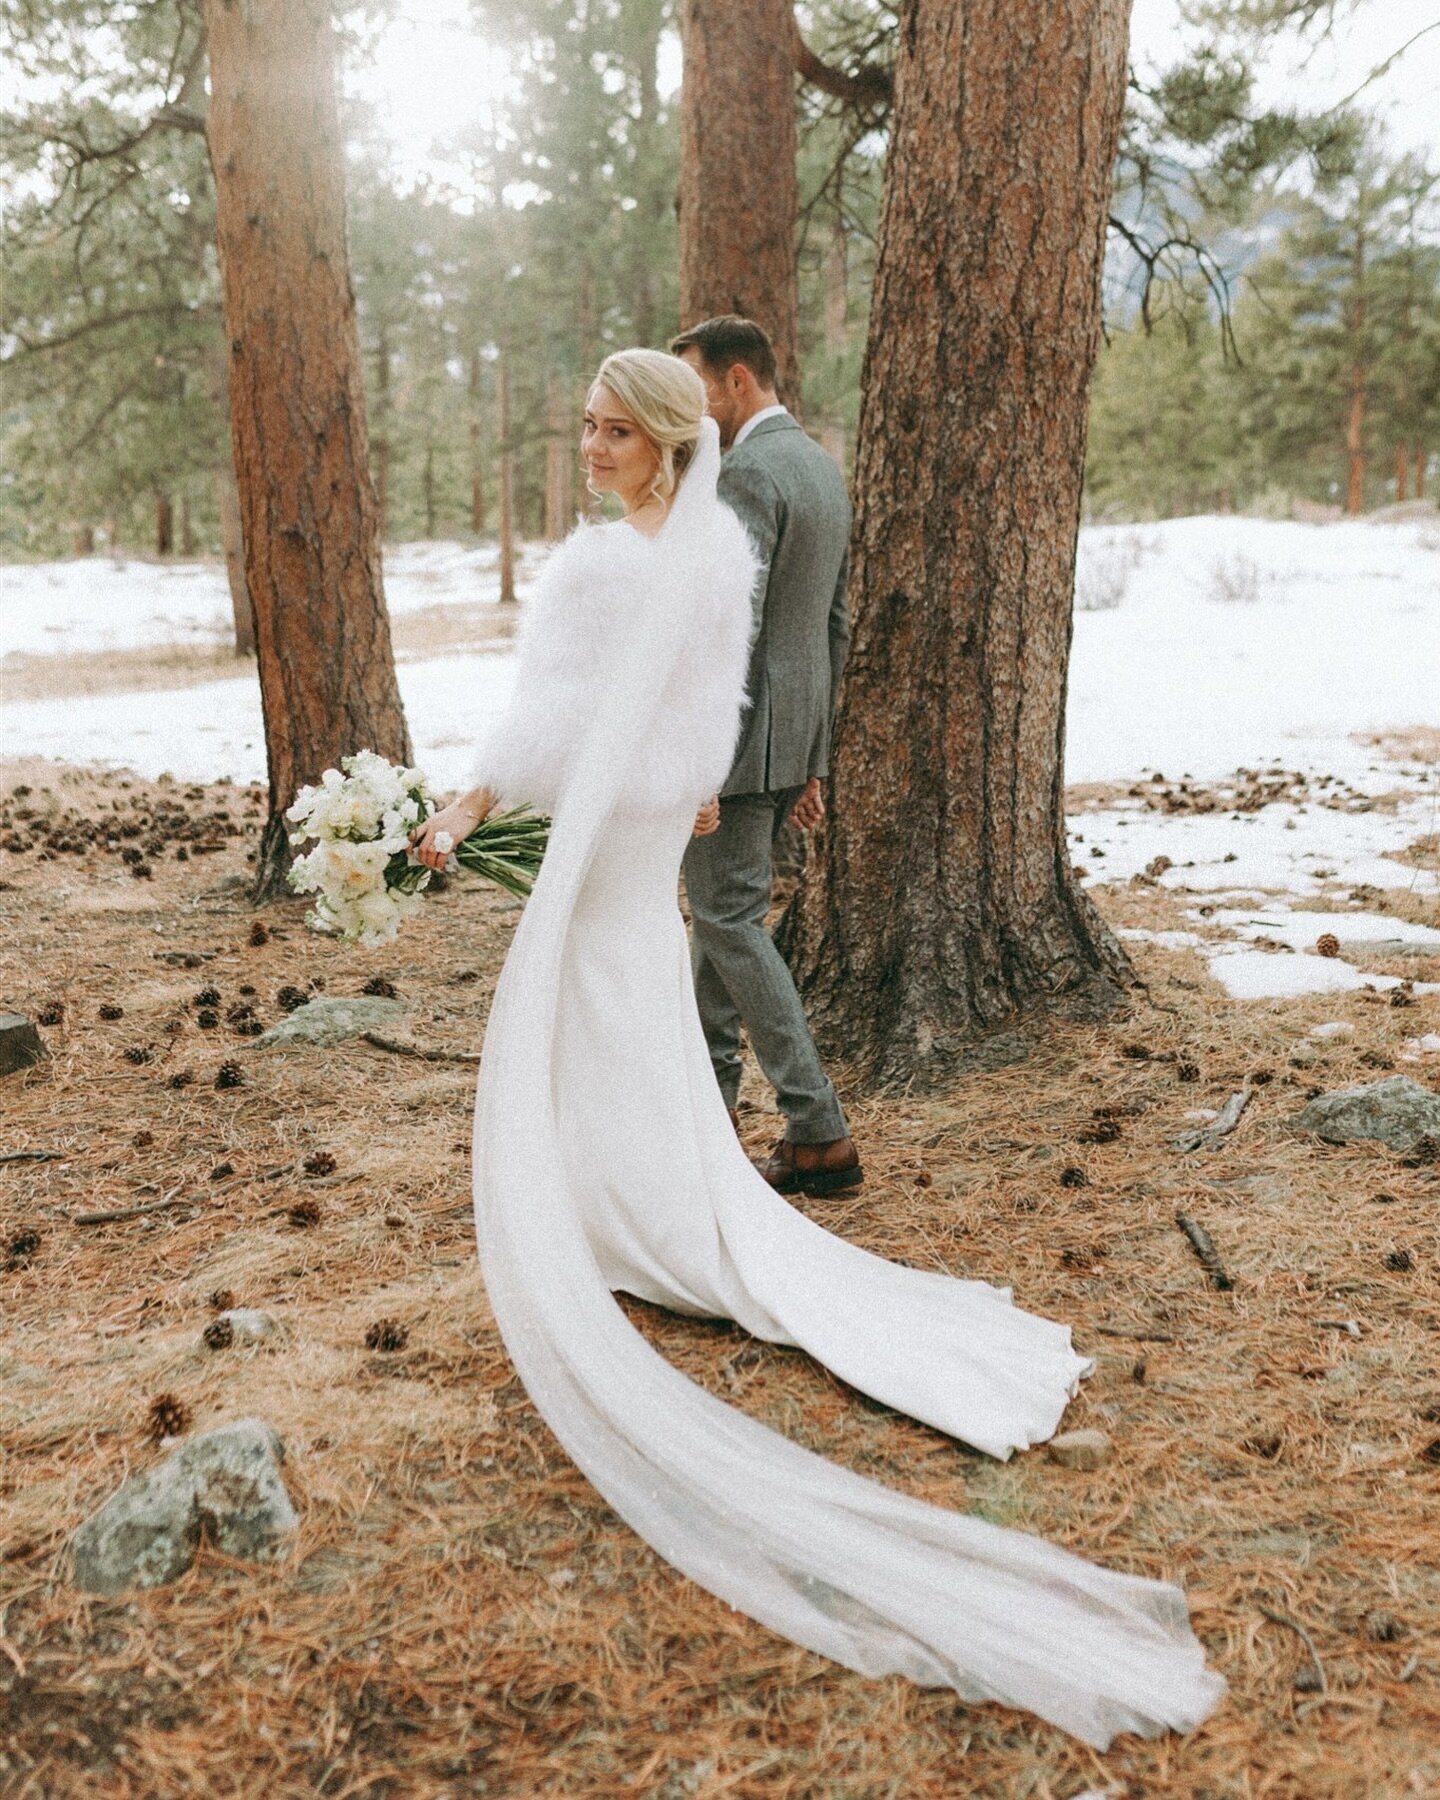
(585, 616)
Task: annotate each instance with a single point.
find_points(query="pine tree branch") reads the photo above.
(869, 85)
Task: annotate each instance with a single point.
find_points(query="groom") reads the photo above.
(791, 498)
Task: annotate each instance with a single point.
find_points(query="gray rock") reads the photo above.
(249, 1325)
(21, 1045)
(1397, 1111)
(226, 1484)
(331, 1021)
(1080, 1449)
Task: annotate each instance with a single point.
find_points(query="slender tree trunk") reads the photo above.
(507, 485)
(837, 324)
(737, 171)
(112, 533)
(241, 611)
(939, 909)
(1402, 471)
(187, 526)
(297, 411)
(559, 461)
(1420, 458)
(164, 525)
(477, 476)
(427, 485)
(82, 540)
(1355, 443)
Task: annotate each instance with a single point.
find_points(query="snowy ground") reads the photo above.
(1203, 647)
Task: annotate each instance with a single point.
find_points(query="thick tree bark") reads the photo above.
(297, 411)
(241, 611)
(507, 485)
(939, 913)
(737, 171)
(477, 471)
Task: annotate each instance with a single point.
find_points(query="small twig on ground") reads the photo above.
(1279, 1618)
(1204, 1247)
(1224, 1122)
(10, 1156)
(133, 1212)
(224, 1187)
(396, 1048)
(1138, 1337)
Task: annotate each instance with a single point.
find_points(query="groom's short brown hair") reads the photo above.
(728, 340)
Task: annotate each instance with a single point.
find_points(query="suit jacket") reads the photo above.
(790, 496)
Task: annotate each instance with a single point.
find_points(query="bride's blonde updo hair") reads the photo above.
(666, 399)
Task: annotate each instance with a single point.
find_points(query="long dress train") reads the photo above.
(604, 1160)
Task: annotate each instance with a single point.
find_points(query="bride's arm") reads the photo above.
(457, 820)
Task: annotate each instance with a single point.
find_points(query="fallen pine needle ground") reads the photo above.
(459, 1613)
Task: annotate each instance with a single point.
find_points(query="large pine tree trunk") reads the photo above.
(737, 170)
(1355, 443)
(297, 412)
(940, 910)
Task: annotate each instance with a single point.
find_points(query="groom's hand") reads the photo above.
(707, 820)
(809, 810)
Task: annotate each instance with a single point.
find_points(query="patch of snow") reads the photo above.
(1332, 1030)
(1417, 1047)
(1167, 940)
(1302, 930)
(1261, 975)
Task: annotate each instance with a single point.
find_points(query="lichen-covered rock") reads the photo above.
(21, 1045)
(330, 1021)
(226, 1484)
(1396, 1111)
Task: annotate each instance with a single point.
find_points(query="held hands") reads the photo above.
(809, 810)
(455, 823)
(707, 819)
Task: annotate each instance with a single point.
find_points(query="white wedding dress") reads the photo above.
(604, 1160)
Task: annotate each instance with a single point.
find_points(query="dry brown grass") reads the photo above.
(460, 1614)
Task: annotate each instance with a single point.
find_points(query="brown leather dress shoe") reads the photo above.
(813, 1169)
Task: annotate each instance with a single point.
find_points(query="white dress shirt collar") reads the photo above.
(765, 412)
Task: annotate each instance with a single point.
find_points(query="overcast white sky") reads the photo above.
(433, 76)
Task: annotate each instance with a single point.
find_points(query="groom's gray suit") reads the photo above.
(790, 496)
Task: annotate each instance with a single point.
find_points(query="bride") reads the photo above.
(605, 1160)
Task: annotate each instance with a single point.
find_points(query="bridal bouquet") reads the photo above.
(360, 866)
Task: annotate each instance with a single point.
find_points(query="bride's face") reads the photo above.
(619, 458)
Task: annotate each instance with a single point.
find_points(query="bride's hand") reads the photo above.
(457, 821)
(708, 818)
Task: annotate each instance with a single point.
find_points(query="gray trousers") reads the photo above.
(741, 978)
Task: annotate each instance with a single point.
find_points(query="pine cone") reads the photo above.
(1327, 944)
(258, 935)
(304, 1214)
(21, 1249)
(138, 1054)
(380, 986)
(229, 1075)
(207, 1018)
(1187, 1071)
(208, 996)
(290, 999)
(168, 1417)
(52, 1014)
(321, 1163)
(142, 1140)
(1074, 1178)
(111, 1011)
(222, 1300)
(386, 1334)
(1399, 1262)
(180, 1079)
